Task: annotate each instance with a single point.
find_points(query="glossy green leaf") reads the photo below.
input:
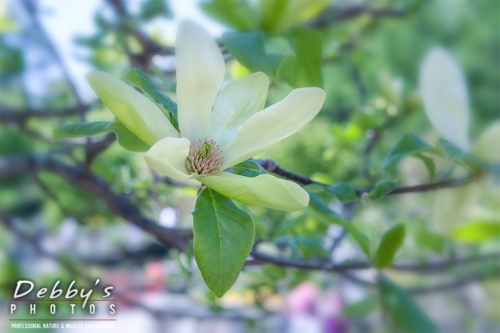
(382, 188)
(303, 69)
(223, 238)
(126, 138)
(255, 51)
(403, 310)
(237, 14)
(477, 231)
(139, 79)
(407, 145)
(360, 309)
(320, 207)
(248, 168)
(389, 245)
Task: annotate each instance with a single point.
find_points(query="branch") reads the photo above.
(325, 265)
(273, 167)
(83, 178)
(337, 14)
(19, 116)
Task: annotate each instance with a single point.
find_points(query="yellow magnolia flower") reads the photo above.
(218, 129)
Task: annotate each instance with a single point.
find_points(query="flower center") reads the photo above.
(205, 157)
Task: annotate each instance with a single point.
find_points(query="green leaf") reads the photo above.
(382, 188)
(403, 310)
(255, 50)
(303, 69)
(429, 164)
(248, 168)
(389, 245)
(126, 138)
(453, 153)
(360, 309)
(319, 206)
(343, 192)
(408, 144)
(223, 238)
(139, 79)
(236, 14)
(477, 231)
(279, 15)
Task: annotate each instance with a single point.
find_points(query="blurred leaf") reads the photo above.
(429, 164)
(274, 271)
(408, 144)
(429, 240)
(223, 238)
(360, 309)
(403, 310)
(126, 138)
(237, 14)
(343, 192)
(248, 168)
(454, 154)
(303, 69)
(279, 15)
(153, 8)
(138, 78)
(477, 231)
(319, 206)
(309, 245)
(382, 188)
(11, 60)
(254, 50)
(389, 245)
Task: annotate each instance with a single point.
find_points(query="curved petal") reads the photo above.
(168, 157)
(135, 111)
(486, 146)
(445, 97)
(237, 102)
(268, 127)
(264, 190)
(200, 71)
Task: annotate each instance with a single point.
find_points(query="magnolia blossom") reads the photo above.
(445, 96)
(446, 102)
(218, 129)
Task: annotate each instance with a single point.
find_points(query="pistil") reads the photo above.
(205, 158)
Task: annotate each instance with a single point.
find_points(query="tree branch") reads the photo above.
(18, 116)
(272, 166)
(82, 178)
(337, 14)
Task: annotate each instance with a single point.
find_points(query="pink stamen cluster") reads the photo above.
(205, 157)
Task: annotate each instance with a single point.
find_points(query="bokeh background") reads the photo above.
(56, 224)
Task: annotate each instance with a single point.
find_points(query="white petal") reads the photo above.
(168, 157)
(135, 111)
(200, 71)
(268, 127)
(237, 102)
(264, 190)
(445, 96)
(486, 146)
